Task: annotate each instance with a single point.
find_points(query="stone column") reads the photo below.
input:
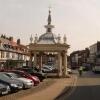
(40, 65)
(59, 64)
(35, 59)
(65, 74)
(30, 60)
(40, 61)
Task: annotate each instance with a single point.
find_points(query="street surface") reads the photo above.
(49, 89)
(87, 88)
(52, 91)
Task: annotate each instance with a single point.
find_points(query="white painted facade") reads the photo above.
(10, 50)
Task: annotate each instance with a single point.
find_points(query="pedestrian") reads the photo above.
(80, 70)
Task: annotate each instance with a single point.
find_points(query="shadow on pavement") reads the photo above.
(80, 93)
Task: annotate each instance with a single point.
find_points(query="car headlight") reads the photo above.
(14, 85)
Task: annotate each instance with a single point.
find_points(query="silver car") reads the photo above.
(4, 89)
(27, 83)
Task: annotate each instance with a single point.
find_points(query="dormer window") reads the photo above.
(9, 46)
(4, 45)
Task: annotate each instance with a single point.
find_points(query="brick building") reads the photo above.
(78, 58)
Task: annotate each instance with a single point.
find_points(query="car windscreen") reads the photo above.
(13, 75)
(4, 76)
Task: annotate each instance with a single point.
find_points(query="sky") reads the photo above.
(79, 20)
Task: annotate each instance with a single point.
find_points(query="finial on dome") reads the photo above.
(65, 39)
(36, 39)
(31, 39)
(49, 16)
(59, 38)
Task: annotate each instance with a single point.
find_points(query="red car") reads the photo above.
(35, 79)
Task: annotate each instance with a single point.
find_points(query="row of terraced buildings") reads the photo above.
(12, 53)
(90, 56)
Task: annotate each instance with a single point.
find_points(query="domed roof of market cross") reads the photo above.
(48, 37)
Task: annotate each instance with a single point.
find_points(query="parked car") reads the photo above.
(96, 68)
(49, 68)
(69, 71)
(27, 83)
(35, 79)
(13, 85)
(46, 69)
(86, 66)
(33, 72)
(4, 89)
